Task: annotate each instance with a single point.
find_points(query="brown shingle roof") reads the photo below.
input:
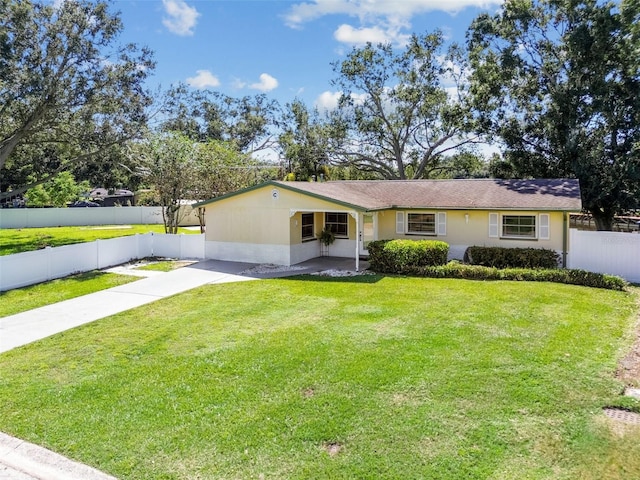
(554, 194)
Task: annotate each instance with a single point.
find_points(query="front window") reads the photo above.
(307, 226)
(338, 223)
(523, 226)
(422, 223)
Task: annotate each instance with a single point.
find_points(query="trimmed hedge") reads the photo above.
(458, 270)
(378, 261)
(399, 256)
(501, 257)
(427, 258)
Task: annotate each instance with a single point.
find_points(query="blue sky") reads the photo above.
(281, 48)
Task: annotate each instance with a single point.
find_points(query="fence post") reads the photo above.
(98, 254)
(49, 254)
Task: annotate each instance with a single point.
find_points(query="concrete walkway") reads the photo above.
(26, 327)
(21, 460)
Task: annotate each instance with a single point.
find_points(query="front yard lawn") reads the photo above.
(369, 378)
(165, 265)
(34, 296)
(18, 240)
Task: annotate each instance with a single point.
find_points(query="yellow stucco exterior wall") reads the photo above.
(263, 216)
(475, 230)
(265, 223)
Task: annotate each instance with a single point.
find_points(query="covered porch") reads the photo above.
(352, 231)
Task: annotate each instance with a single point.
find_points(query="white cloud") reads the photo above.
(328, 101)
(301, 13)
(266, 83)
(203, 79)
(381, 21)
(360, 36)
(359, 98)
(238, 84)
(181, 18)
(348, 34)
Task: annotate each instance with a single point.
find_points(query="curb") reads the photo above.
(43, 464)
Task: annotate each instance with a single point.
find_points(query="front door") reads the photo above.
(367, 232)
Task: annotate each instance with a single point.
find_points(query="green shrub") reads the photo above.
(501, 257)
(477, 272)
(148, 198)
(396, 256)
(378, 261)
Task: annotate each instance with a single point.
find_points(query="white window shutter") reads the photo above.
(400, 222)
(494, 230)
(544, 229)
(442, 223)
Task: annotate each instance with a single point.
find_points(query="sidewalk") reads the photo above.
(20, 460)
(26, 327)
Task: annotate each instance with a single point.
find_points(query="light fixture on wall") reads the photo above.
(466, 218)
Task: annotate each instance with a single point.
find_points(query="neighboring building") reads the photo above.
(119, 198)
(278, 222)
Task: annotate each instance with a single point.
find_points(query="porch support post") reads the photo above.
(357, 218)
(565, 237)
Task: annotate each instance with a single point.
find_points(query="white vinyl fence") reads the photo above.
(64, 217)
(614, 253)
(29, 268)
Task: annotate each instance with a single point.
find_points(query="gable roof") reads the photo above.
(537, 194)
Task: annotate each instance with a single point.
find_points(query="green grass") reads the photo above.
(164, 265)
(17, 240)
(372, 378)
(34, 296)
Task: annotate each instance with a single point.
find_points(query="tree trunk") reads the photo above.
(603, 220)
(170, 214)
(201, 218)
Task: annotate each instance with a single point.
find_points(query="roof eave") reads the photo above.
(325, 198)
(233, 194)
(511, 208)
(286, 186)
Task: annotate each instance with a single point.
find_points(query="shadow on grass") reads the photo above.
(18, 244)
(366, 278)
(69, 280)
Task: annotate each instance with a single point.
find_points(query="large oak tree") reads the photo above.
(559, 82)
(248, 122)
(68, 91)
(402, 113)
(305, 142)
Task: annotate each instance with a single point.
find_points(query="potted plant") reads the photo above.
(326, 237)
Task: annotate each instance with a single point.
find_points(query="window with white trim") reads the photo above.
(421, 223)
(519, 226)
(338, 223)
(307, 226)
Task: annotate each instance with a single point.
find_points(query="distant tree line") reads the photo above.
(554, 83)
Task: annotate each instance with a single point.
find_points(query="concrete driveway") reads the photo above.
(20, 460)
(26, 327)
